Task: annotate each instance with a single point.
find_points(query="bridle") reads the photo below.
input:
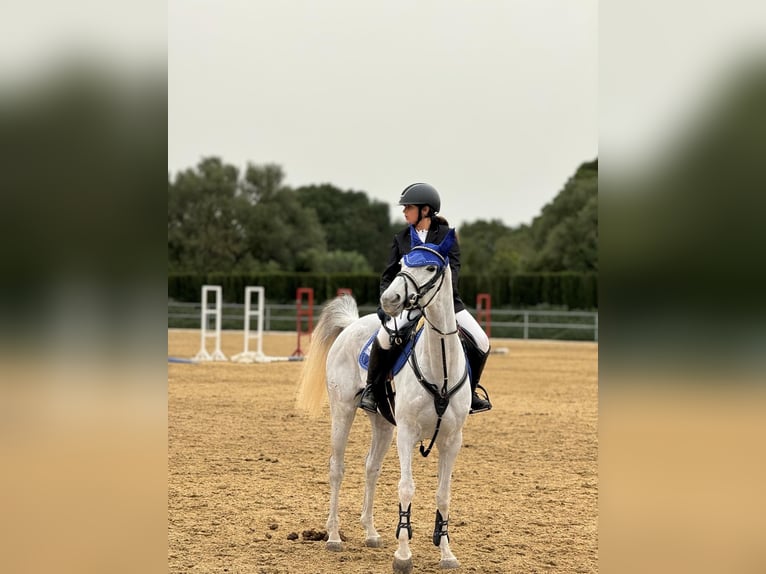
(413, 299)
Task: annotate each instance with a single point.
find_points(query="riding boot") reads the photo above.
(379, 366)
(477, 360)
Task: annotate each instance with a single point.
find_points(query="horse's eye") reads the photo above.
(431, 268)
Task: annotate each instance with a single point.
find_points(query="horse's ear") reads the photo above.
(414, 237)
(447, 242)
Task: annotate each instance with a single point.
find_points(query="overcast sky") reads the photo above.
(494, 102)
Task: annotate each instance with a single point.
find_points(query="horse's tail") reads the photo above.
(336, 316)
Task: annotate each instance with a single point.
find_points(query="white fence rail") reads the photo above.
(505, 323)
(530, 321)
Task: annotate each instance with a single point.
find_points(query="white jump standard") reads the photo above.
(257, 356)
(205, 312)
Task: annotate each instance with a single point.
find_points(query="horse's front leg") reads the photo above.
(382, 433)
(342, 418)
(405, 442)
(448, 451)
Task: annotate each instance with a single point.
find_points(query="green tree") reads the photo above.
(564, 237)
(335, 262)
(205, 230)
(351, 222)
(219, 222)
(489, 247)
(565, 234)
(262, 182)
(279, 228)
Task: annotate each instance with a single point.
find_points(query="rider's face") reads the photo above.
(411, 214)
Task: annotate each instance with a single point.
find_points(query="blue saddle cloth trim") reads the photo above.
(401, 360)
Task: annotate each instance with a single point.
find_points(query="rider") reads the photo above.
(421, 204)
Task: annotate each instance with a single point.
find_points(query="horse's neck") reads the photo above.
(441, 317)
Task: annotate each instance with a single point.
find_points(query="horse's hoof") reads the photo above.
(334, 546)
(374, 542)
(402, 566)
(451, 563)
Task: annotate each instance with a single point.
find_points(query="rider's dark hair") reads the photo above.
(437, 218)
(440, 220)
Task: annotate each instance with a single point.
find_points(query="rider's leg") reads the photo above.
(477, 351)
(383, 354)
(381, 361)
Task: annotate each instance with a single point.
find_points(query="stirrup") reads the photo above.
(367, 401)
(483, 404)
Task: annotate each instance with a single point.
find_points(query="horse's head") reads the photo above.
(421, 277)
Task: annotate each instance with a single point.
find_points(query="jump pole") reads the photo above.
(205, 312)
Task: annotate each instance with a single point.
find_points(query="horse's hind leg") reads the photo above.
(342, 418)
(382, 433)
(448, 451)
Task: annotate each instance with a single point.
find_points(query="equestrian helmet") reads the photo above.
(421, 194)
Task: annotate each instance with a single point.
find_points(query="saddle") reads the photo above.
(409, 335)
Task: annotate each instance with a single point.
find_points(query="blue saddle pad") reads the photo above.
(364, 356)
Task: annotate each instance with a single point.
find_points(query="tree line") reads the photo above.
(221, 219)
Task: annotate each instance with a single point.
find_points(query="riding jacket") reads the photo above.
(402, 245)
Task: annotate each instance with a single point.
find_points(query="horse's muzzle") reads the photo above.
(392, 303)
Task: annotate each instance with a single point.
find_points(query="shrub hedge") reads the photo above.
(569, 290)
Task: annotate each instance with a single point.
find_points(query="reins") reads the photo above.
(435, 328)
